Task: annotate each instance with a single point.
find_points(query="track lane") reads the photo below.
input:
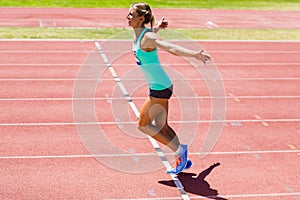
(64, 88)
(53, 140)
(98, 17)
(248, 137)
(45, 173)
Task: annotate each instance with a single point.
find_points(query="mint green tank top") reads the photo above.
(149, 63)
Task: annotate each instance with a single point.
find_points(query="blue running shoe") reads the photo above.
(181, 162)
(188, 164)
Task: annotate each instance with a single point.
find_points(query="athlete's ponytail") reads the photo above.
(152, 21)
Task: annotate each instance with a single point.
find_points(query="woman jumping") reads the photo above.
(155, 108)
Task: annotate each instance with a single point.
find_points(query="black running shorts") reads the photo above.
(162, 94)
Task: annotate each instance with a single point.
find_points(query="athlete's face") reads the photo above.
(133, 19)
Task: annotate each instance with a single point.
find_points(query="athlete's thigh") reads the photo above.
(151, 109)
(161, 120)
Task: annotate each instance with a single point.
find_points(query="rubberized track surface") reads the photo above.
(42, 156)
(190, 18)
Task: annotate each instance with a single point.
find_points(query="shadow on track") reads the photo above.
(196, 184)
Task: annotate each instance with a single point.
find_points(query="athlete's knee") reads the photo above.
(148, 129)
(144, 128)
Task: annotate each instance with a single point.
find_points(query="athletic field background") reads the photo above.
(197, 34)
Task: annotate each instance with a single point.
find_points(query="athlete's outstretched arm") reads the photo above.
(176, 49)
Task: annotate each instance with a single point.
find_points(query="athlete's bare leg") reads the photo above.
(156, 109)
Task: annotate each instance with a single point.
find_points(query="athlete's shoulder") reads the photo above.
(151, 35)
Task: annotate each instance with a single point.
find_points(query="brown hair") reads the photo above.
(143, 9)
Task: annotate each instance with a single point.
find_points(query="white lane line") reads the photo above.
(262, 195)
(46, 51)
(141, 98)
(46, 79)
(248, 152)
(123, 40)
(139, 79)
(221, 196)
(41, 64)
(171, 122)
(92, 51)
(149, 154)
(210, 24)
(281, 64)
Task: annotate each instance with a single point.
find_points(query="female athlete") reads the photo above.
(155, 108)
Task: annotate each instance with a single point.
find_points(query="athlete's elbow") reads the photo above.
(173, 51)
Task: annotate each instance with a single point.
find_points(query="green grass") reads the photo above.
(241, 34)
(207, 4)
(56, 33)
(196, 34)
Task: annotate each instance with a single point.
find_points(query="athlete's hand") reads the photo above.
(202, 56)
(162, 24)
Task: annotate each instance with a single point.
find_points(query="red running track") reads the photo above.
(188, 18)
(43, 157)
